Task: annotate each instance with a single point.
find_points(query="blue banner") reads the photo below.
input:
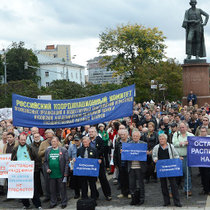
(132, 151)
(198, 151)
(169, 168)
(86, 167)
(30, 112)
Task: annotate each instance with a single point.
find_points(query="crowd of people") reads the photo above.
(163, 127)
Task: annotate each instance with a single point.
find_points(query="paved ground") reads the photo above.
(153, 199)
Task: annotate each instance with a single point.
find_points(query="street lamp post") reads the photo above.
(5, 62)
(5, 68)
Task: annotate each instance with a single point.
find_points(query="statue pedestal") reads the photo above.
(196, 78)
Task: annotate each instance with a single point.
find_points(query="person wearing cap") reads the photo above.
(74, 180)
(105, 137)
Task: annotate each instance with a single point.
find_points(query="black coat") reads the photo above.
(92, 152)
(117, 154)
(100, 146)
(151, 140)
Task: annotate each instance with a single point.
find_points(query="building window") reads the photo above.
(46, 74)
(47, 84)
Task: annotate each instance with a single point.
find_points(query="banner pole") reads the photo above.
(187, 183)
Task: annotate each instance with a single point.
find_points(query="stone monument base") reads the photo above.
(201, 100)
(196, 79)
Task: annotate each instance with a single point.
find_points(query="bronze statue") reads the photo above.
(193, 23)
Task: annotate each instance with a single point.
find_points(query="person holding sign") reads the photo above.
(24, 152)
(136, 170)
(122, 164)
(86, 151)
(180, 143)
(205, 171)
(57, 166)
(162, 151)
(97, 143)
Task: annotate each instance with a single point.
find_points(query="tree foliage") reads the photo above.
(138, 56)
(133, 45)
(167, 74)
(63, 89)
(23, 87)
(59, 89)
(16, 56)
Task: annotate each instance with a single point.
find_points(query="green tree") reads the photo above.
(134, 45)
(23, 87)
(138, 56)
(169, 74)
(16, 57)
(63, 89)
(92, 89)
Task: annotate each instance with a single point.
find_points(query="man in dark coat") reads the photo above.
(97, 142)
(86, 151)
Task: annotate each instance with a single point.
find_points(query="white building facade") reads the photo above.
(56, 69)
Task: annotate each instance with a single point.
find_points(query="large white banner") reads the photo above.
(20, 179)
(4, 161)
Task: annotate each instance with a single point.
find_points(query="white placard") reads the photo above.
(20, 179)
(4, 161)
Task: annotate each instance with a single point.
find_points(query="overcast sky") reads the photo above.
(79, 22)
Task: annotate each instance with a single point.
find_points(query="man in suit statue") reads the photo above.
(193, 23)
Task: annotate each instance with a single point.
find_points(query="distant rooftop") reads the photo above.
(47, 60)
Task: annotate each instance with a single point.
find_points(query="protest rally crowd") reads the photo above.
(164, 127)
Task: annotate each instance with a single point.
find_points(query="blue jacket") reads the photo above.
(72, 151)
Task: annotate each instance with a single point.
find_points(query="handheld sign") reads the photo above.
(132, 151)
(20, 179)
(4, 161)
(169, 168)
(198, 151)
(86, 167)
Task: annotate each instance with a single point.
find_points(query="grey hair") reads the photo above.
(49, 131)
(136, 131)
(183, 122)
(85, 138)
(55, 137)
(164, 135)
(124, 131)
(203, 127)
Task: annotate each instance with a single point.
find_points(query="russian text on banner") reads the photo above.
(4, 161)
(169, 168)
(20, 179)
(132, 151)
(30, 112)
(198, 151)
(86, 167)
